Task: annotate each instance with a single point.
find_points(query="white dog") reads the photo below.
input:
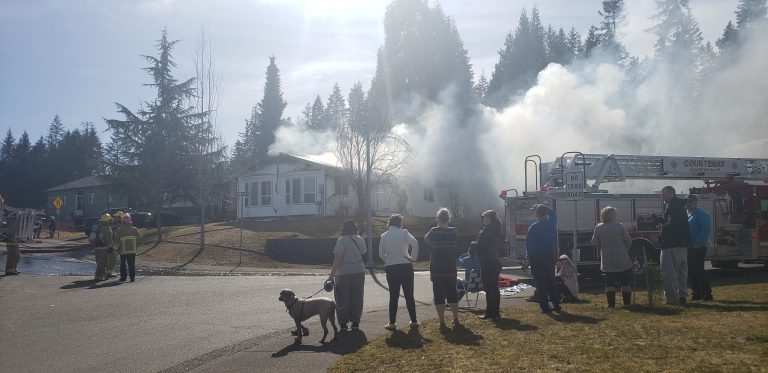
(302, 309)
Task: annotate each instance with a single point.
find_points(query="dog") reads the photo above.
(302, 309)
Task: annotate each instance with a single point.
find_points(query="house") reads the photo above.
(84, 197)
(299, 185)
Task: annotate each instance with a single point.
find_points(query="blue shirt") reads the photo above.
(700, 224)
(542, 235)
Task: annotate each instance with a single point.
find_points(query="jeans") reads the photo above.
(489, 274)
(400, 275)
(130, 260)
(543, 269)
(696, 274)
(674, 270)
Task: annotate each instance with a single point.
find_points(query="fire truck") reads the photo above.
(734, 191)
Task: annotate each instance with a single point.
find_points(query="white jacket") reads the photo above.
(394, 244)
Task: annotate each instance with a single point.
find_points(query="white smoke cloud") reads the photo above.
(297, 139)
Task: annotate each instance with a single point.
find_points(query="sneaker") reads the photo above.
(442, 325)
(390, 326)
(355, 326)
(121, 280)
(344, 327)
(133, 280)
(415, 324)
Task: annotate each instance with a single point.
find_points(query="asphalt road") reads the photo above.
(66, 324)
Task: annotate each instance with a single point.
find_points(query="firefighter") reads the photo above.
(13, 247)
(103, 245)
(112, 254)
(127, 241)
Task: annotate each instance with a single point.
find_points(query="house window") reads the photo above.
(254, 194)
(64, 200)
(340, 186)
(91, 198)
(429, 195)
(246, 200)
(287, 191)
(310, 189)
(296, 190)
(265, 198)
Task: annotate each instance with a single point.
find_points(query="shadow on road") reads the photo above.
(348, 342)
(90, 284)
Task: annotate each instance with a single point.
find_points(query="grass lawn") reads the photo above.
(730, 334)
(222, 239)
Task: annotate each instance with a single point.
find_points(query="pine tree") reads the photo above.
(154, 144)
(727, 42)
(481, 87)
(265, 118)
(316, 114)
(592, 41)
(335, 109)
(749, 13)
(55, 133)
(575, 46)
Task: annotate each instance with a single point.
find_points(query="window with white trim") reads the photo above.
(296, 190)
(310, 189)
(429, 195)
(287, 191)
(265, 197)
(253, 193)
(246, 200)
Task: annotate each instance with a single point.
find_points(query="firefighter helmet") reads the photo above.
(106, 218)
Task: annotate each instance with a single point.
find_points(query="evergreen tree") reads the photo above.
(55, 132)
(266, 117)
(315, 119)
(335, 109)
(592, 41)
(523, 56)
(750, 13)
(558, 50)
(423, 55)
(575, 46)
(727, 42)
(481, 87)
(154, 144)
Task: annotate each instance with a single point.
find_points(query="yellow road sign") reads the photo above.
(57, 202)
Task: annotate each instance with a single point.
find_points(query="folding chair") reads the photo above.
(472, 281)
(473, 284)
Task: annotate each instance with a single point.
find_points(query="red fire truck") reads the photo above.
(734, 191)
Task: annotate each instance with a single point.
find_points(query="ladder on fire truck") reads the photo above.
(602, 168)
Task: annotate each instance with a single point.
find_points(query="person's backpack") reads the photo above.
(96, 238)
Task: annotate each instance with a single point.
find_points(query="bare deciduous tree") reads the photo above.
(209, 151)
(363, 145)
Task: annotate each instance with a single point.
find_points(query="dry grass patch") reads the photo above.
(730, 334)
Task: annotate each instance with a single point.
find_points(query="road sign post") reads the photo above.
(574, 191)
(57, 202)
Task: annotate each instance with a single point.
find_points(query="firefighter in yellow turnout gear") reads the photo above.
(112, 255)
(103, 243)
(127, 242)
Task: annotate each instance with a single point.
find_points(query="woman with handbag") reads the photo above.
(348, 273)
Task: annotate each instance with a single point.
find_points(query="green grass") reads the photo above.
(730, 334)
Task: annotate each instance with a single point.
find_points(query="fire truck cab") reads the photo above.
(734, 192)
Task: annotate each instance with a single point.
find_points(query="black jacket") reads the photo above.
(488, 241)
(674, 227)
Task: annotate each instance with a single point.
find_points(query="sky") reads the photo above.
(77, 58)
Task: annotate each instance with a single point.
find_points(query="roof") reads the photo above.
(86, 182)
(327, 160)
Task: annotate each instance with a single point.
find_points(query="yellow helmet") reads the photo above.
(106, 218)
(118, 215)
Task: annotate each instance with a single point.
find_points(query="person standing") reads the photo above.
(127, 240)
(348, 274)
(14, 254)
(51, 226)
(541, 246)
(674, 239)
(103, 244)
(443, 243)
(613, 242)
(700, 224)
(398, 264)
(485, 249)
(112, 254)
